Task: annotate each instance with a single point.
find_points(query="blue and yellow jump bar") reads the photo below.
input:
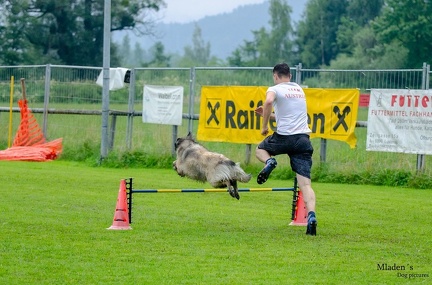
(208, 190)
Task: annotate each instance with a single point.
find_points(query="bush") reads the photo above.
(137, 159)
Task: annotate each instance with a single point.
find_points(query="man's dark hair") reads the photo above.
(282, 69)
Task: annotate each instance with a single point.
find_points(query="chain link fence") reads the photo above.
(67, 103)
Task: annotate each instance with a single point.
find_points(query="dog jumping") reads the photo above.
(196, 162)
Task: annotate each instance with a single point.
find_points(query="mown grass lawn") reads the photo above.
(55, 214)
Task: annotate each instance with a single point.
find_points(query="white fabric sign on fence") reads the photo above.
(116, 80)
(400, 121)
(163, 105)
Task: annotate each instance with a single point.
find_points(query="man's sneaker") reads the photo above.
(265, 172)
(311, 226)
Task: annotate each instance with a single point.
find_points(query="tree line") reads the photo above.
(340, 34)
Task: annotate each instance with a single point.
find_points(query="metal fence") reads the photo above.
(67, 103)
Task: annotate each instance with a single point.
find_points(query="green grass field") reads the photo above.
(55, 215)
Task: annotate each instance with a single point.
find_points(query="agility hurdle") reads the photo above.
(130, 191)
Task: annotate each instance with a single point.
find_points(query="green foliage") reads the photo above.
(317, 34)
(199, 53)
(80, 93)
(362, 12)
(268, 47)
(89, 152)
(159, 58)
(345, 36)
(409, 24)
(131, 57)
(396, 37)
(369, 34)
(382, 177)
(67, 32)
(420, 181)
(368, 53)
(137, 159)
(344, 71)
(358, 34)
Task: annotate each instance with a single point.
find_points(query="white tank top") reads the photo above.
(290, 109)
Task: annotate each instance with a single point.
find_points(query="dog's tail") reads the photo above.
(241, 175)
(229, 170)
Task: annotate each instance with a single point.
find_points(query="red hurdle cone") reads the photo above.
(121, 214)
(300, 214)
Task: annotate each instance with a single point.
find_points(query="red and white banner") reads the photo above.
(400, 121)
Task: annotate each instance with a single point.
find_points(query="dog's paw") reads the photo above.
(234, 193)
(180, 173)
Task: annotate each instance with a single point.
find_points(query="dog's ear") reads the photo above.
(189, 136)
(177, 143)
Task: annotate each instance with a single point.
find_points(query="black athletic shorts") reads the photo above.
(297, 147)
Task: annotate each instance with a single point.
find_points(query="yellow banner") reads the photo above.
(227, 114)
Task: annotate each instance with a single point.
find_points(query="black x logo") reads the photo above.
(213, 112)
(341, 117)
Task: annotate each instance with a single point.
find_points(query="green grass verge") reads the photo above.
(55, 215)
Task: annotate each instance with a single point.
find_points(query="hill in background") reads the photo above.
(225, 32)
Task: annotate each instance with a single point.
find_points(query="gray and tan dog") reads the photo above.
(197, 163)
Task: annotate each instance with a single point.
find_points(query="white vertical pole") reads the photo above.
(106, 78)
